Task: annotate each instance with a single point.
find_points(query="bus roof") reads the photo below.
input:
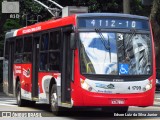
(70, 20)
(112, 15)
(41, 26)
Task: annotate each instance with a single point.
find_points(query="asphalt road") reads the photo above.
(8, 107)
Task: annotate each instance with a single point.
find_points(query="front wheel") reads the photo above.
(57, 110)
(20, 101)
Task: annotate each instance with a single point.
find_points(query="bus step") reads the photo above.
(35, 99)
(68, 105)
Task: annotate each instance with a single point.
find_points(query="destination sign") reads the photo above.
(91, 23)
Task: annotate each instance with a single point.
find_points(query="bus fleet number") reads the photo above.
(134, 88)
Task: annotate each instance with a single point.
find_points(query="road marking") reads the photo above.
(7, 105)
(8, 102)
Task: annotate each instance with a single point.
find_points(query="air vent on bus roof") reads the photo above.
(69, 10)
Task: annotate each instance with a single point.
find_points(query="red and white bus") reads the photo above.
(90, 59)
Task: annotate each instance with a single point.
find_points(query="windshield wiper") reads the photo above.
(107, 47)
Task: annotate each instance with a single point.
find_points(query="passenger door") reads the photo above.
(10, 67)
(67, 64)
(35, 66)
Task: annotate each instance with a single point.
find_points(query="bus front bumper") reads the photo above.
(86, 98)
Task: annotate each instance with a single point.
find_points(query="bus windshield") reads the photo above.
(111, 53)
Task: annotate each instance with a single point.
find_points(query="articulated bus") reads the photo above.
(104, 60)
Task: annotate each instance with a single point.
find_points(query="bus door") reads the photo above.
(10, 67)
(35, 66)
(67, 63)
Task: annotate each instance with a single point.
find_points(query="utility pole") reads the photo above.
(126, 6)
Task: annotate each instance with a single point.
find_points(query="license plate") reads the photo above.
(117, 101)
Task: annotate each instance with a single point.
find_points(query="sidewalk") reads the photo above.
(2, 95)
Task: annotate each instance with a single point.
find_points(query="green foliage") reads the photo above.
(29, 6)
(96, 5)
(138, 9)
(30, 10)
(11, 24)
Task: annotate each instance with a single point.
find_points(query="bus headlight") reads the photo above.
(85, 86)
(148, 86)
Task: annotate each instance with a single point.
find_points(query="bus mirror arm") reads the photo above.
(73, 41)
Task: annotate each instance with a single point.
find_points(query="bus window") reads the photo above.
(19, 44)
(54, 51)
(54, 61)
(43, 61)
(44, 42)
(54, 41)
(44, 52)
(27, 49)
(6, 50)
(18, 52)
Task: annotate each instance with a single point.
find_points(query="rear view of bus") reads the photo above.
(117, 63)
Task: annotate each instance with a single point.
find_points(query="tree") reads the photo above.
(155, 21)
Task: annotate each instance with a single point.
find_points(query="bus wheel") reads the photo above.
(31, 103)
(54, 101)
(20, 101)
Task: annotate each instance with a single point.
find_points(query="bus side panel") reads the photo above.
(17, 73)
(44, 79)
(76, 95)
(24, 73)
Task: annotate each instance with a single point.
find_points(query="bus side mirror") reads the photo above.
(73, 41)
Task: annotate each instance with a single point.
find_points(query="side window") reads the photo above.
(44, 42)
(54, 40)
(18, 51)
(54, 51)
(43, 61)
(27, 51)
(19, 45)
(44, 52)
(6, 50)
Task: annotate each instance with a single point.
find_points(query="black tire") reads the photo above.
(57, 110)
(122, 109)
(110, 109)
(20, 101)
(31, 103)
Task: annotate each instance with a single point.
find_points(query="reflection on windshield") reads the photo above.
(134, 52)
(95, 58)
(129, 54)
